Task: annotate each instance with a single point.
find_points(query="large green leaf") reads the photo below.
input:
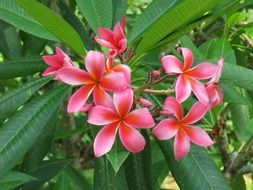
(117, 155)
(14, 179)
(138, 168)
(12, 13)
(46, 172)
(196, 171)
(172, 19)
(21, 67)
(119, 10)
(63, 182)
(97, 13)
(238, 76)
(55, 24)
(105, 178)
(12, 100)
(19, 133)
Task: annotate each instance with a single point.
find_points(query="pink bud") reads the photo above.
(217, 75)
(145, 102)
(166, 113)
(156, 73)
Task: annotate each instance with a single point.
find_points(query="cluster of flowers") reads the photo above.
(103, 77)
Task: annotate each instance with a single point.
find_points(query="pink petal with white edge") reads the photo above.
(104, 43)
(122, 45)
(104, 140)
(165, 129)
(102, 98)
(183, 88)
(118, 33)
(196, 113)
(67, 63)
(79, 98)
(212, 93)
(181, 145)
(198, 136)
(95, 64)
(131, 138)
(74, 76)
(188, 58)
(61, 53)
(100, 115)
(172, 64)
(52, 60)
(114, 82)
(172, 106)
(105, 34)
(202, 71)
(217, 75)
(50, 71)
(140, 118)
(125, 70)
(123, 101)
(200, 91)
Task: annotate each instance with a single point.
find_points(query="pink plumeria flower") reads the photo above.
(117, 118)
(94, 80)
(188, 78)
(214, 91)
(114, 40)
(182, 127)
(56, 62)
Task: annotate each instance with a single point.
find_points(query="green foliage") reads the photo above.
(55, 24)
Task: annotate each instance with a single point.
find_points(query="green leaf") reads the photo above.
(105, 178)
(117, 155)
(12, 100)
(21, 67)
(63, 182)
(240, 115)
(172, 19)
(55, 24)
(238, 76)
(97, 13)
(14, 179)
(238, 183)
(19, 133)
(216, 48)
(119, 10)
(46, 172)
(138, 168)
(12, 13)
(41, 146)
(65, 134)
(196, 171)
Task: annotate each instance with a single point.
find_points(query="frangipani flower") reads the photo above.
(188, 77)
(94, 80)
(182, 127)
(56, 62)
(214, 91)
(117, 118)
(114, 40)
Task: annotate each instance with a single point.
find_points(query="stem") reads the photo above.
(167, 92)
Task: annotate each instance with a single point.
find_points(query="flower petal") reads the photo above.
(125, 70)
(123, 101)
(131, 138)
(100, 115)
(79, 98)
(50, 71)
(203, 70)
(172, 105)
(200, 91)
(122, 45)
(165, 129)
(113, 81)
(217, 75)
(140, 118)
(95, 64)
(181, 145)
(198, 136)
(52, 60)
(102, 98)
(172, 64)
(105, 34)
(74, 76)
(183, 88)
(104, 140)
(197, 112)
(104, 43)
(188, 58)
(118, 33)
